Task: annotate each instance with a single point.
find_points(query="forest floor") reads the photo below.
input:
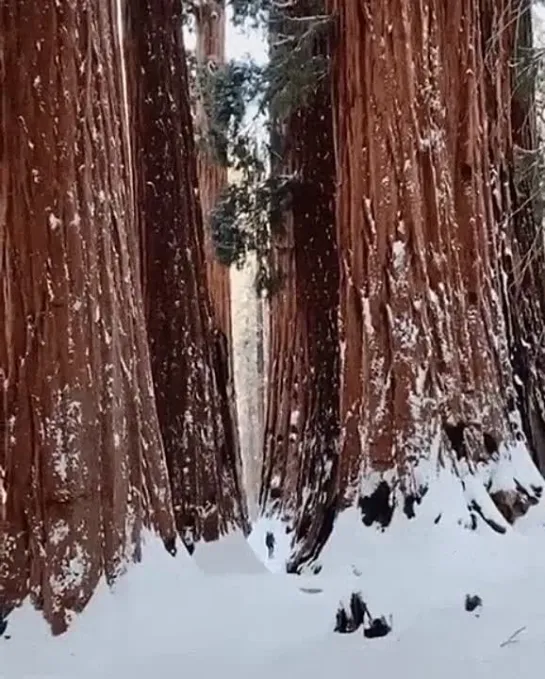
(225, 614)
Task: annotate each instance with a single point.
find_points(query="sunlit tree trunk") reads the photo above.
(81, 460)
(248, 372)
(190, 359)
(302, 418)
(422, 117)
(212, 176)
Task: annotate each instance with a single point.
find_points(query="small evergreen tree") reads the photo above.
(238, 96)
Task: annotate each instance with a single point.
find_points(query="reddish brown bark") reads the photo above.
(302, 419)
(210, 53)
(81, 458)
(189, 358)
(422, 123)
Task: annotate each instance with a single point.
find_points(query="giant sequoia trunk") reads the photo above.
(189, 359)
(302, 419)
(423, 135)
(212, 175)
(81, 458)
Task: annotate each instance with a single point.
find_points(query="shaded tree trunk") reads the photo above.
(421, 119)
(190, 360)
(524, 263)
(302, 418)
(81, 458)
(212, 176)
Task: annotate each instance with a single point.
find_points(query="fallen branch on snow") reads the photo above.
(513, 638)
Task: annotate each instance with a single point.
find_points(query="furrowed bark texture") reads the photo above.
(210, 52)
(81, 458)
(190, 360)
(422, 102)
(302, 418)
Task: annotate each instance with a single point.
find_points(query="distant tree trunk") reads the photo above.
(190, 363)
(81, 458)
(212, 179)
(422, 95)
(247, 316)
(302, 418)
(212, 176)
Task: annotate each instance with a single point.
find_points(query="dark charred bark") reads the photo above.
(302, 421)
(191, 370)
(212, 176)
(81, 457)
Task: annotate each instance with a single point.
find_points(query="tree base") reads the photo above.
(470, 495)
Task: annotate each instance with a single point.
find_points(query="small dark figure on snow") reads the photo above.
(3, 625)
(269, 542)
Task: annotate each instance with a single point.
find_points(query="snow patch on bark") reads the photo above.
(61, 432)
(72, 571)
(59, 532)
(53, 221)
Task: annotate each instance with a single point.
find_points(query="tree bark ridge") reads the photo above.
(190, 358)
(83, 468)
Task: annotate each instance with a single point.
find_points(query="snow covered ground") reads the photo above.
(169, 618)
